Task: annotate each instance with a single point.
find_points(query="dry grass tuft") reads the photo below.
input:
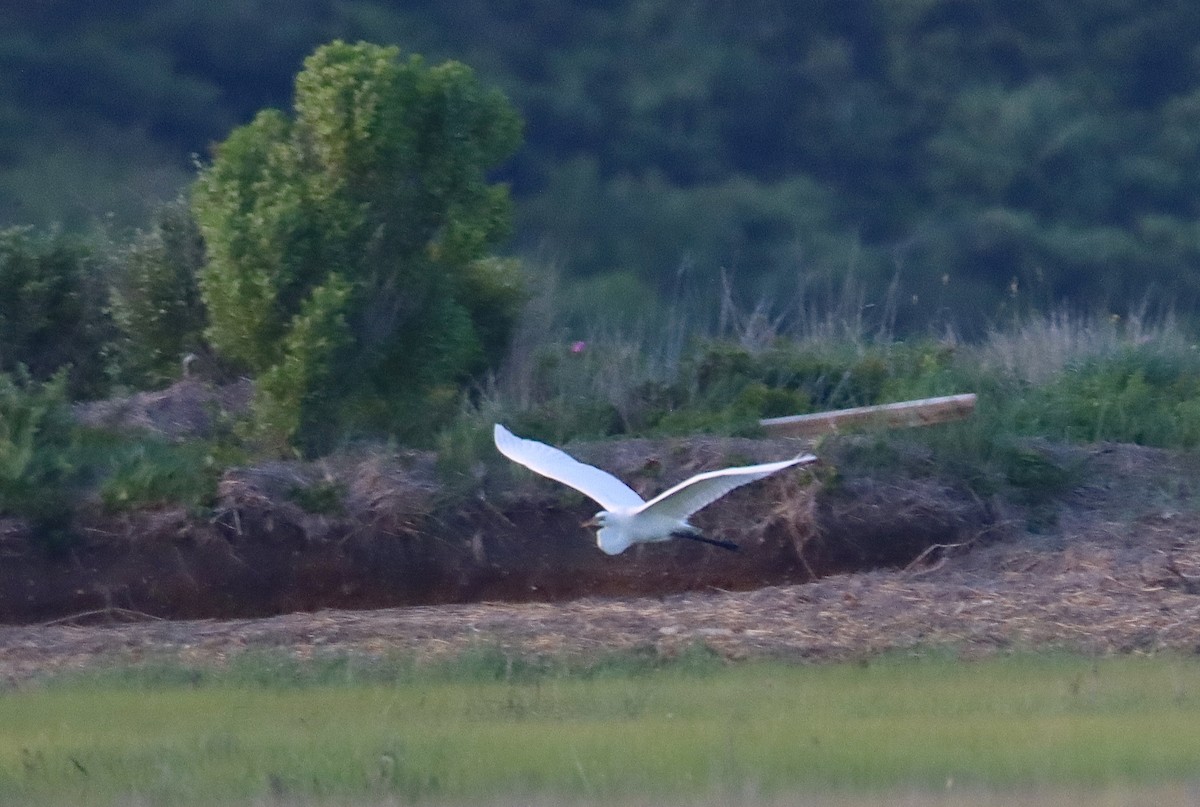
(188, 409)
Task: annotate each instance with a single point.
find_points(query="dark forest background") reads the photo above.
(945, 162)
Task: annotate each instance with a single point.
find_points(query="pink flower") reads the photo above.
(578, 347)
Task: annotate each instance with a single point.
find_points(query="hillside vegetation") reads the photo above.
(346, 256)
(983, 155)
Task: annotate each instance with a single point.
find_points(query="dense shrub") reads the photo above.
(155, 298)
(148, 472)
(348, 261)
(38, 467)
(52, 310)
(1143, 394)
(49, 464)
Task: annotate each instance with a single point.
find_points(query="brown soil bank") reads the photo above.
(396, 537)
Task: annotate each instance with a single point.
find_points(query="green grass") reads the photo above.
(1052, 380)
(479, 730)
(1043, 382)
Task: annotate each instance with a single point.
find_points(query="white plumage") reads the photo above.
(627, 518)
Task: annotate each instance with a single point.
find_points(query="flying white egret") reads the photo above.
(627, 518)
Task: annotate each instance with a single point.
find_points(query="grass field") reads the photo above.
(694, 732)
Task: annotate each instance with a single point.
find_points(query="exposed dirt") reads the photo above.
(379, 529)
(1117, 570)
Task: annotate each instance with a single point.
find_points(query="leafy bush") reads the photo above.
(38, 468)
(49, 464)
(348, 247)
(613, 386)
(52, 310)
(155, 298)
(819, 378)
(1080, 380)
(1140, 395)
(152, 473)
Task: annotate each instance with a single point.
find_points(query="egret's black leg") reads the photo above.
(695, 536)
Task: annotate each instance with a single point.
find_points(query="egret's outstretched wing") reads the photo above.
(704, 489)
(610, 492)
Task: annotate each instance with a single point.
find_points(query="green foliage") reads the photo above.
(666, 236)
(821, 378)
(155, 300)
(461, 447)
(614, 387)
(147, 473)
(348, 247)
(1142, 394)
(965, 148)
(493, 295)
(1035, 473)
(731, 387)
(52, 310)
(38, 468)
(48, 464)
(295, 395)
(1041, 384)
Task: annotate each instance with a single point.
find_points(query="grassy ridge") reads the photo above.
(1064, 378)
(1056, 379)
(680, 731)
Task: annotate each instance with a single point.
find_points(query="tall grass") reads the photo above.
(1060, 376)
(622, 733)
(577, 370)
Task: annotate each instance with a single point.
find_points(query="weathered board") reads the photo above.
(924, 412)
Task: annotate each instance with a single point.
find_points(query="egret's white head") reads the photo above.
(611, 536)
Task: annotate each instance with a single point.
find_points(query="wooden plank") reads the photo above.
(924, 412)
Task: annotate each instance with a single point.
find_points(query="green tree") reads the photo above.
(155, 298)
(52, 310)
(38, 442)
(349, 245)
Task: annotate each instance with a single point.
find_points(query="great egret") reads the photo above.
(627, 518)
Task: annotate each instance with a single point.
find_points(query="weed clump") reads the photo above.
(39, 471)
(150, 472)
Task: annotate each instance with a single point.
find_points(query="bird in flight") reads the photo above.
(627, 518)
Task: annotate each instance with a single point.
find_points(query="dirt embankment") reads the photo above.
(397, 539)
(390, 534)
(1120, 572)
(842, 568)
